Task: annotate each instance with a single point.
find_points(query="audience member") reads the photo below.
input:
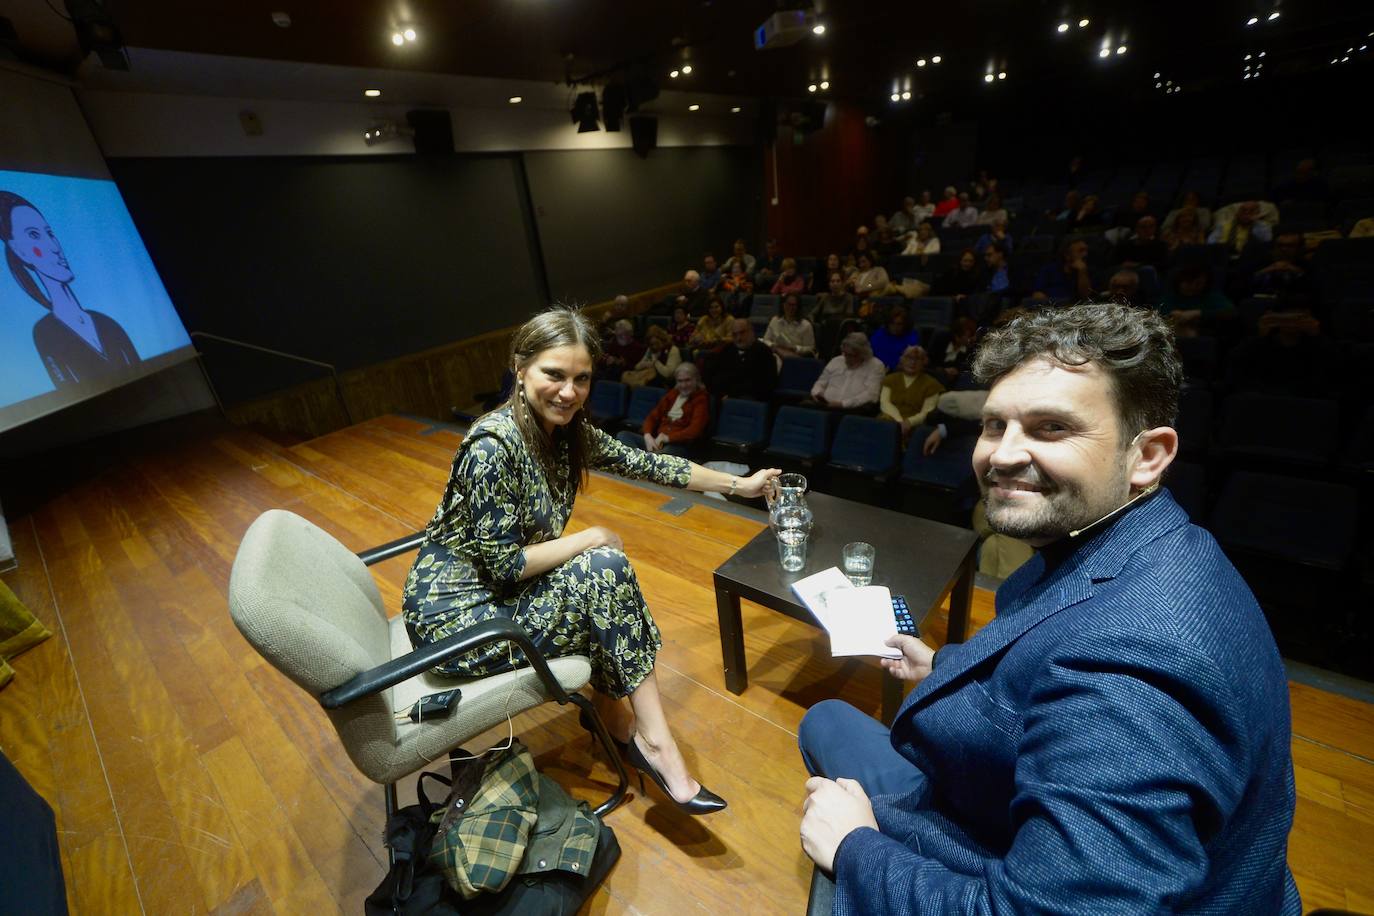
(954, 358)
(1119, 739)
(948, 203)
(923, 241)
(1186, 230)
(682, 327)
(1238, 225)
(789, 334)
(1363, 228)
(909, 394)
(1144, 246)
(923, 211)
(896, 334)
(1086, 216)
(1128, 218)
(710, 273)
(1286, 275)
(660, 360)
(885, 243)
(737, 289)
(621, 353)
(1069, 279)
(1192, 302)
(1072, 201)
(745, 370)
(904, 220)
(833, 263)
(963, 216)
(852, 380)
(1192, 201)
(1305, 184)
(995, 278)
(678, 419)
(619, 310)
(997, 233)
(836, 304)
(789, 281)
(713, 329)
(692, 297)
(993, 212)
(862, 245)
(740, 256)
(770, 265)
(871, 279)
(1290, 356)
(961, 279)
(1124, 287)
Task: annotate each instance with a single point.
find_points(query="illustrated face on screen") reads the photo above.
(35, 244)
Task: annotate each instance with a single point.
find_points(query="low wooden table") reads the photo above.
(916, 557)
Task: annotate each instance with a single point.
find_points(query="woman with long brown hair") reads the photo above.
(497, 547)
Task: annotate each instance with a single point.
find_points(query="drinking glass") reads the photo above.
(792, 525)
(858, 562)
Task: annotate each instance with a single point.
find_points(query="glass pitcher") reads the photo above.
(790, 518)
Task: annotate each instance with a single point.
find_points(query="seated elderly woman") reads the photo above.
(659, 362)
(923, 241)
(851, 381)
(678, 419)
(909, 394)
(871, 279)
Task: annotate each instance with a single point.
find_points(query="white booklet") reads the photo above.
(857, 619)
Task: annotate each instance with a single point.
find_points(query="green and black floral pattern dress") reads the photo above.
(496, 503)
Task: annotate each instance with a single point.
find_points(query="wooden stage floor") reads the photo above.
(187, 776)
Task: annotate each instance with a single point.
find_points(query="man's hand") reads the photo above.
(916, 661)
(932, 442)
(832, 810)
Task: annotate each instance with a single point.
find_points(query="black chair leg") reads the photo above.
(600, 733)
(391, 807)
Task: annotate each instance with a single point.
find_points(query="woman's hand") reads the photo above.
(601, 536)
(752, 487)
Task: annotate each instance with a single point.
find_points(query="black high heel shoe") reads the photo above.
(585, 721)
(704, 802)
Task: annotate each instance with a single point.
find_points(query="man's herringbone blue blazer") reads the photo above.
(1116, 740)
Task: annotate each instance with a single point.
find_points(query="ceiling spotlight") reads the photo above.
(515, 99)
(1345, 60)
(811, 88)
(1168, 82)
(1274, 15)
(1156, 74)
(1002, 75)
(1252, 20)
(398, 39)
(409, 34)
(825, 84)
(381, 132)
(1261, 54)
(1159, 85)
(1247, 57)
(372, 93)
(921, 62)
(818, 29)
(585, 113)
(1246, 76)
(686, 69)
(735, 110)
(1364, 47)
(674, 74)
(1259, 67)
(1082, 23)
(1063, 27)
(1105, 52)
(1121, 49)
(694, 108)
(906, 96)
(896, 97)
(935, 59)
(1334, 62)
(988, 77)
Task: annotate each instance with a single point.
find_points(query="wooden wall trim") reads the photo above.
(428, 384)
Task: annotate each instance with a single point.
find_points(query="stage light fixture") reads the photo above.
(1121, 49)
(811, 88)
(935, 59)
(515, 99)
(906, 96)
(896, 97)
(1105, 52)
(409, 34)
(825, 84)
(1002, 75)
(381, 132)
(686, 69)
(1252, 20)
(1082, 23)
(818, 28)
(1063, 27)
(372, 93)
(1274, 15)
(584, 113)
(735, 110)
(397, 39)
(921, 62)
(674, 74)
(1159, 85)
(694, 108)
(988, 77)
(1156, 74)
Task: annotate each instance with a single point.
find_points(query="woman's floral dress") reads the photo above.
(496, 503)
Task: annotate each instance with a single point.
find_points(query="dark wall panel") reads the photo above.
(349, 261)
(610, 222)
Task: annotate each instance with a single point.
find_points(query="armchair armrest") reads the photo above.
(422, 659)
(391, 548)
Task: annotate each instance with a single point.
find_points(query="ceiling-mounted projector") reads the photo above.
(782, 29)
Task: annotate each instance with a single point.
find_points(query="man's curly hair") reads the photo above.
(1133, 346)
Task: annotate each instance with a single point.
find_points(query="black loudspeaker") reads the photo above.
(433, 131)
(644, 134)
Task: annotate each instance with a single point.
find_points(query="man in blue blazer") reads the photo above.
(1116, 740)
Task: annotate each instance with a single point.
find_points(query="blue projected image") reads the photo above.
(82, 308)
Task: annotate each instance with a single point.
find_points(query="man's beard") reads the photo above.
(1054, 511)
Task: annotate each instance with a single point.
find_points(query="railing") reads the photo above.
(333, 371)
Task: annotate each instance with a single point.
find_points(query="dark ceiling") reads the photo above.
(869, 48)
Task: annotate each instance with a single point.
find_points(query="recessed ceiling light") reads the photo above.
(988, 77)
(515, 99)
(896, 97)
(409, 34)
(1063, 27)
(686, 69)
(1274, 15)
(1168, 82)
(1002, 75)
(935, 59)
(1082, 23)
(397, 39)
(674, 74)
(1261, 54)
(906, 96)
(1252, 20)
(825, 84)
(1105, 52)
(811, 88)
(921, 62)
(818, 28)
(1246, 76)
(1121, 49)
(735, 110)
(1345, 60)
(1159, 85)
(1247, 57)
(1156, 74)
(372, 93)
(694, 108)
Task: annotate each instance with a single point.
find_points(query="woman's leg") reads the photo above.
(655, 739)
(617, 715)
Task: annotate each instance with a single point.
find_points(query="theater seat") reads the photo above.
(940, 486)
(799, 437)
(1300, 432)
(741, 427)
(796, 377)
(606, 404)
(863, 458)
(642, 402)
(1309, 522)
